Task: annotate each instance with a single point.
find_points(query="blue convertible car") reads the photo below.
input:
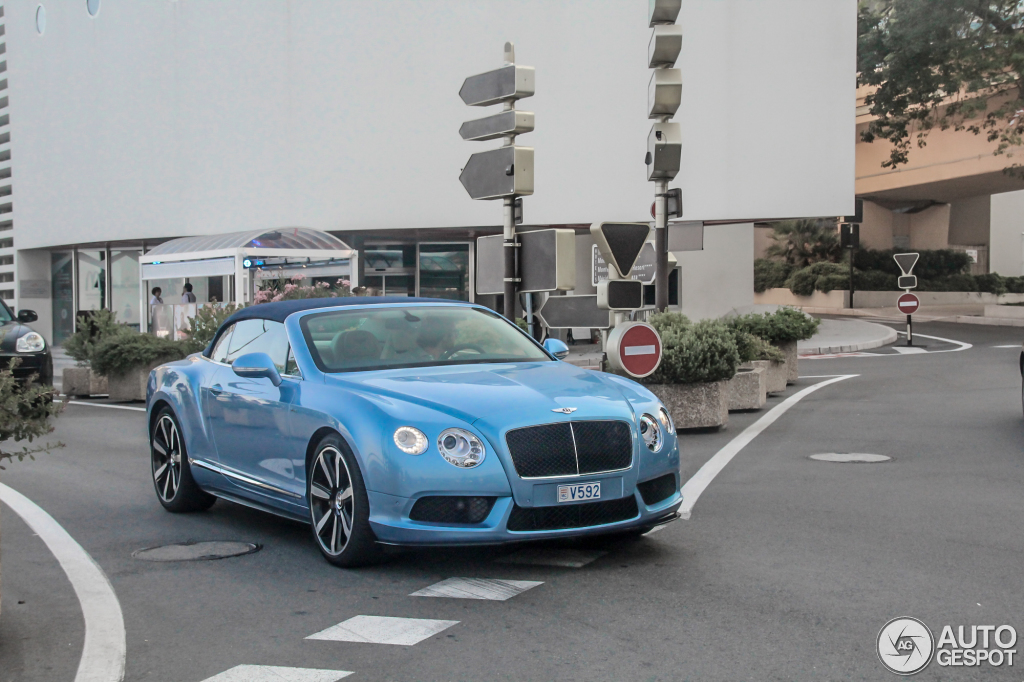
(404, 421)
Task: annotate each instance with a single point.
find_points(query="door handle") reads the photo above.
(216, 389)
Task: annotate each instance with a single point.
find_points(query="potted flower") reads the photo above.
(25, 412)
(696, 364)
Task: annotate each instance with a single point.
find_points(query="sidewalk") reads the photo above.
(961, 314)
(846, 336)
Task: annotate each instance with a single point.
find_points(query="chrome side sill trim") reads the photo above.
(238, 476)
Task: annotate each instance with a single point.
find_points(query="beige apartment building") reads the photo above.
(952, 194)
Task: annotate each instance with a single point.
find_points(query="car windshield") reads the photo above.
(386, 338)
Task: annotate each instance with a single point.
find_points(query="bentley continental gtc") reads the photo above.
(405, 421)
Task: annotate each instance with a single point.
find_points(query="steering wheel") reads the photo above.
(458, 349)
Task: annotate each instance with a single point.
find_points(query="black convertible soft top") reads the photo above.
(280, 310)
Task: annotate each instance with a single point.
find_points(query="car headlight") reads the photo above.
(410, 440)
(30, 343)
(460, 448)
(652, 434)
(666, 420)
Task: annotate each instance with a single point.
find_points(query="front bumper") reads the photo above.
(390, 522)
(39, 364)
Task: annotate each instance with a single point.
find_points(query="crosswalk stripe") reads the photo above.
(477, 588)
(540, 556)
(384, 630)
(273, 673)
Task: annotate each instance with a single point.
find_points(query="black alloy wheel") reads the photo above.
(339, 508)
(172, 475)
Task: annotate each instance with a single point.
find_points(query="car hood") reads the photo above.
(502, 396)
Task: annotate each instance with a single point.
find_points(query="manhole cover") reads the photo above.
(196, 551)
(855, 457)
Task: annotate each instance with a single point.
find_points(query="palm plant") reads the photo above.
(802, 242)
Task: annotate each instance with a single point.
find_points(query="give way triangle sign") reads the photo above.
(620, 244)
(906, 261)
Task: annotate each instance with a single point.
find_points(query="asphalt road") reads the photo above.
(787, 569)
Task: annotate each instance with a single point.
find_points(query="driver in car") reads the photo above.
(435, 338)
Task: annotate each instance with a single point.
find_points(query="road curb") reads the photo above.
(885, 340)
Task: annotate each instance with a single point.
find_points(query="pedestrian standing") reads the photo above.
(186, 295)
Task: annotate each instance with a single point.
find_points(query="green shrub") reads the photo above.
(991, 283)
(703, 352)
(786, 324)
(25, 411)
(752, 347)
(1014, 285)
(120, 354)
(203, 327)
(666, 322)
(770, 274)
(874, 280)
(805, 281)
(93, 329)
(931, 264)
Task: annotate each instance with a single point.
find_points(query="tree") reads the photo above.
(802, 242)
(942, 63)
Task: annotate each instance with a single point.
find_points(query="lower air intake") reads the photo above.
(572, 515)
(657, 489)
(451, 509)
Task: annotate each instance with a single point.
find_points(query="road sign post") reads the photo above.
(908, 302)
(634, 349)
(505, 173)
(664, 144)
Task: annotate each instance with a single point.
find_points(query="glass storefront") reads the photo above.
(63, 292)
(92, 280)
(124, 287)
(444, 271)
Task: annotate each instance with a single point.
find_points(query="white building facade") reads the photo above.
(129, 123)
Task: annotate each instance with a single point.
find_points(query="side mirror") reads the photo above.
(256, 366)
(25, 315)
(556, 348)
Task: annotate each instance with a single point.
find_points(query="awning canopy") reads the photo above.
(280, 238)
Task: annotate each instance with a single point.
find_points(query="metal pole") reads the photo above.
(529, 314)
(660, 246)
(910, 330)
(851, 271)
(510, 259)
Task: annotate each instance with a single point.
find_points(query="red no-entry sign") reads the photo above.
(634, 348)
(908, 304)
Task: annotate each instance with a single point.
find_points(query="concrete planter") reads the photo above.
(695, 406)
(82, 381)
(792, 370)
(776, 375)
(748, 389)
(131, 386)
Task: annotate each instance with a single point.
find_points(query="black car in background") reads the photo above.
(18, 340)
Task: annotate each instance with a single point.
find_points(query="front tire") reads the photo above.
(339, 508)
(172, 475)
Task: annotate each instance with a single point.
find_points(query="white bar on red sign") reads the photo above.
(638, 350)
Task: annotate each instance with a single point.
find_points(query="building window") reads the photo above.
(6, 243)
(6, 276)
(7, 294)
(6, 260)
(40, 20)
(444, 271)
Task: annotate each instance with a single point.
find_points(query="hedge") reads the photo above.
(698, 353)
(785, 324)
(117, 355)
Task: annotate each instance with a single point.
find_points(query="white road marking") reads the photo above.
(1012, 345)
(103, 652)
(693, 488)
(112, 407)
(273, 673)
(384, 630)
(541, 556)
(908, 350)
(962, 345)
(477, 588)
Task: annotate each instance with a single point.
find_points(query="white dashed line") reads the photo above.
(908, 350)
(384, 630)
(564, 558)
(104, 649)
(273, 673)
(693, 488)
(477, 588)
(1012, 345)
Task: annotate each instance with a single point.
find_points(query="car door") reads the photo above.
(250, 419)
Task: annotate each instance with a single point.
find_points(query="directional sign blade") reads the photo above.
(664, 151)
(514, 122)
(547, 260)
(620, 243)
(506, 84)
(490, 264)
(664, 92)
(664, 46)
(906, 261)
(562, 312)
(498, 173)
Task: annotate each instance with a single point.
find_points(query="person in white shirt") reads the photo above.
(187, 296)
(156, 300)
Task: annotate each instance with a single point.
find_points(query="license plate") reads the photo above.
(579, 492)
